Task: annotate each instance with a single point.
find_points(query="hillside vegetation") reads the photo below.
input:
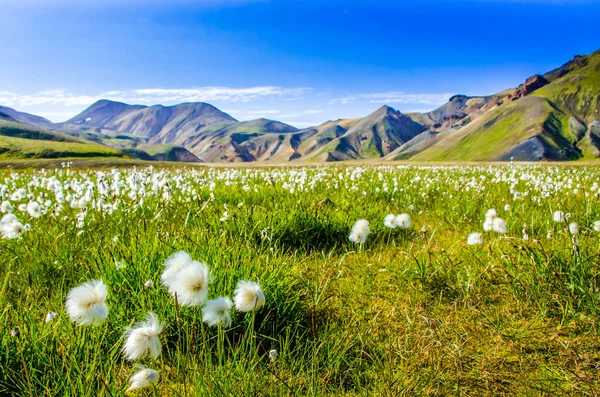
(22, 141)
(558, 121)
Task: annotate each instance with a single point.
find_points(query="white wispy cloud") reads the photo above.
(262, 112)
(396, 97)
(152, 96)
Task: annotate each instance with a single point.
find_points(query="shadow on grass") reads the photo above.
(306, 233)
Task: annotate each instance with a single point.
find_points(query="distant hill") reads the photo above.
(157, 124)
(555, 116)
(25, 117)
(22, 141)
(264, 140)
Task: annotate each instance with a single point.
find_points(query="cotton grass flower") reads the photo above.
(142, 340)
(402, 221)
(248, 296)
(6, 207)
(499, 225)
(143, 378)
(50, 317)
(558, 216)
(186, 278)
(359, 231)
(12, 228)
(474, 239)
(86, 304)
(173, 265)
(389, 221)
(34, 209)
(491, 214)
(8, 218)
(216, 312)
(488, 225)
(596, 226)
(573, 228)
(148, 284)
(18, 195)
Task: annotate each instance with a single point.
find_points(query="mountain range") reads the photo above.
(554, 116)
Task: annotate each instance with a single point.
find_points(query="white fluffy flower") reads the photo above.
(173, 265)
(216, 312)
(573, 228)
(148, 284)
(143, 378)
(86, 304)
(186, 278)
(34, 209)
(6, 207)
(596, 226)
(491, 214)
(18, 195)
(402, 221)
(8, 218)
(248, 296)
(360, 231)
(474, 239)
(11, 230)
(50, 317)
(488, 225)
(507, 207)
(558, 216)
(499, 225)
(389, 221)
(142, 340)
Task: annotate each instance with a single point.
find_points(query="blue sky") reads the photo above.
(301, 62)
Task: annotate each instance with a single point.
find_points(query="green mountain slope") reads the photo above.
(557, 121)
(18, 140)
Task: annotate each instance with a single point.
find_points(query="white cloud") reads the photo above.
(153, 96)
(262, 112)
(344, 100)
(397, 97)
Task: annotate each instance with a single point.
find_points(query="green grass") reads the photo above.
(154, 149)
(20, 148)
(412, 312)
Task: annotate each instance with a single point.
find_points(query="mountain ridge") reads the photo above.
(550, 116)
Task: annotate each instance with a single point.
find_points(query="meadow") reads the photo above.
(410, 304)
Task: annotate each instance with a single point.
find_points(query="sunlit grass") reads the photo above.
(411, 312)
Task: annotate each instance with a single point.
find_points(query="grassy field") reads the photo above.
(412, 311)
